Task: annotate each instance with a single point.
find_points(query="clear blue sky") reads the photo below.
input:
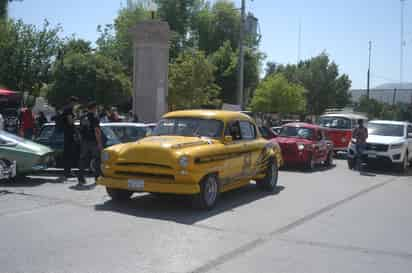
(341, 28)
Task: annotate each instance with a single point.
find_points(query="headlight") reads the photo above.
(105, 156)
(184, 161)
(301, 147)
(396, 146)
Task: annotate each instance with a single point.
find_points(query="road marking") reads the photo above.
(396, 254)
(264, 239)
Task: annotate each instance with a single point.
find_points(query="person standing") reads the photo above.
(67, 123)
(91, 141)
(27, 123)
(360, 134)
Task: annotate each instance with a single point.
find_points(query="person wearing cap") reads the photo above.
(69, 131)
(91, 141)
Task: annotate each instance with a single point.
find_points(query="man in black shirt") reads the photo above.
(91, 141)
(66, 122)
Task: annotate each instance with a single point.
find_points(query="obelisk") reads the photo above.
(150, 71)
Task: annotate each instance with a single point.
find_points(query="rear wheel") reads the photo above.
(269, 183)
(118, 194)
(209, 193)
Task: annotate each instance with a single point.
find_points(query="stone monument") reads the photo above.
(150, 72)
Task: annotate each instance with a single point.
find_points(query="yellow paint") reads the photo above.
(155, 159)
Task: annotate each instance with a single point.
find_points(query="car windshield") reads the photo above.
(108, 133)
(300, 132)
(335, 122)
(189, 127)
(380, 129)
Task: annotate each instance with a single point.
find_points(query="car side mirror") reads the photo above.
(228, 139)
(409, 135)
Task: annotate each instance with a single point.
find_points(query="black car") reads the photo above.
(53, 138)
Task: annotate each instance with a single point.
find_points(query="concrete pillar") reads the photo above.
(150, 72)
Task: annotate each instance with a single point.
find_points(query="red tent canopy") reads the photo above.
(4, 92)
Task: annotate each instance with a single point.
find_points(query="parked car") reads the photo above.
(340, 127)
(199, 153)
(21, 156)
(305, 144)
(389, 142)
(128, 131)
(53, 138)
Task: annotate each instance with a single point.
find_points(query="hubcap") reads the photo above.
(210, 191)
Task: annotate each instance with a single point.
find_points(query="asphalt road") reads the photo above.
(332, 220)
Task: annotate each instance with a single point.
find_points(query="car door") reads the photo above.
(409, 131)
(251, 147)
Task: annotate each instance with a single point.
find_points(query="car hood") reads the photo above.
(289, 140)
(32, 147)
(384, 139)
(158, 149)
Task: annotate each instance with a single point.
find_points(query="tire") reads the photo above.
(329, 160)
(209, 193)
(118, 194)
(269, 183)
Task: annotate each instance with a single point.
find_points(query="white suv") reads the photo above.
(388, 141)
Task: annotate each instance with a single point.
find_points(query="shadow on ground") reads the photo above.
(300, 169)
(178, 208)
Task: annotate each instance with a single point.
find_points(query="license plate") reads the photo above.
(372, 155)
(135, 184)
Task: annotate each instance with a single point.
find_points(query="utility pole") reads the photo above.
(369, 71)
(394, 96)
(241, 55)
(299, 41)
(402, 45)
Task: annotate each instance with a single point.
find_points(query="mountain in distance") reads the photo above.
(405, 85)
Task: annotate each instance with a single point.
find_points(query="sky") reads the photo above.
(340, 28)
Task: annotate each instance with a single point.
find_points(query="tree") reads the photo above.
(276, 95)
(27, 54)
(191, 82)
(4, 4)
(89, 77)
(320, 78)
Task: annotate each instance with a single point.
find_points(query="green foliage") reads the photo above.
(116, 40)
(27, 54)
(276, 95)
(89, 77)
(191, 82)
(380, 110)
(320, 78)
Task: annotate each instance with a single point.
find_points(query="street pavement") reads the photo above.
(331, 220)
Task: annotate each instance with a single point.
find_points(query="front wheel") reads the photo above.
(118, 194)
(269, 183)
(209, 193)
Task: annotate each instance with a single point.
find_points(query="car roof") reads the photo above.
(124, 124)
(393, 122)
(209, 114)
(346, 115)
(303, 124)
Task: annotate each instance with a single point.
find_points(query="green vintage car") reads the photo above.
(22, 155)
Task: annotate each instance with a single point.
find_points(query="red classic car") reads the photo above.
(305, 144)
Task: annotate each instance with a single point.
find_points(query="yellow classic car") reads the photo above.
(196, 152)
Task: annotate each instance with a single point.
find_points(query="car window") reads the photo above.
(300, 132)
(385, 129)
(233, 130)
(335, 122)
(247, 130)
(135, 133)
(189, 127)
(46, 132)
